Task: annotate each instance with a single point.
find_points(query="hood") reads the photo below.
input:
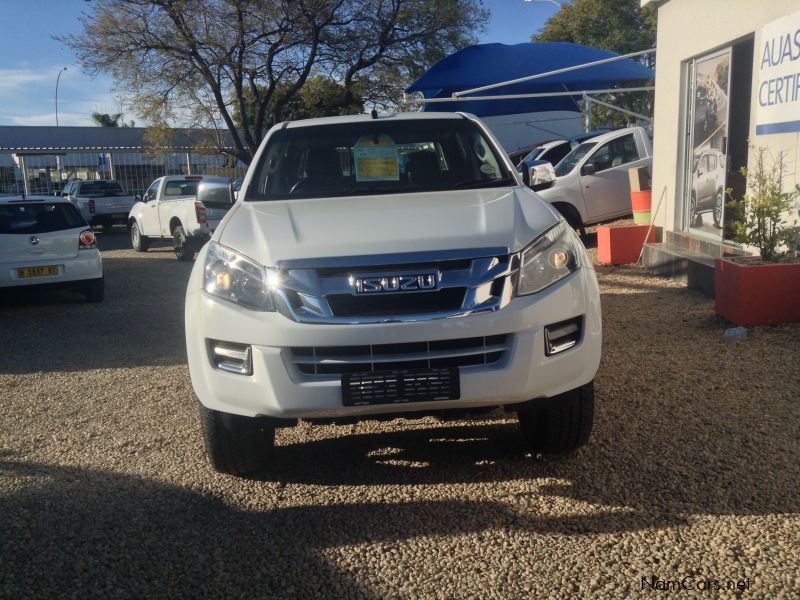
(274, 231)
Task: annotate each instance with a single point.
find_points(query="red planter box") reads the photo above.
(622, 245)
(757, 294)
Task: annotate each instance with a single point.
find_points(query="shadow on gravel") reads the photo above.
(656, 478)
(73, 532)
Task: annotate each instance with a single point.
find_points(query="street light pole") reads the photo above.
(57, 80)
(550, 1)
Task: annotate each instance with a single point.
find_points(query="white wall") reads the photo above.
(686, 29)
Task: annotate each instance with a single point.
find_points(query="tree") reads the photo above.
(201, 62)
(107, 120)
(621, 26)
(319, 97)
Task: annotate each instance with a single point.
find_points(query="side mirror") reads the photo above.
(541, 176)
(138, 197)
(215, 194)
(589, 169)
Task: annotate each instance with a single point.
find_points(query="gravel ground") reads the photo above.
(693, 469)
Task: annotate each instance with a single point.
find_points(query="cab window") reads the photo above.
(151, 192)
(615, 153)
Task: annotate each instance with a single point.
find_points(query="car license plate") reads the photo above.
(397, 387)
(119, 216)
(38, 271)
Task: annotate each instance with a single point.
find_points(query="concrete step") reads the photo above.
(693, 269)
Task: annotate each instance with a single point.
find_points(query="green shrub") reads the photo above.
(768, 213)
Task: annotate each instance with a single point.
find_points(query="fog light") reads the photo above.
(562, 336)
(230, 357)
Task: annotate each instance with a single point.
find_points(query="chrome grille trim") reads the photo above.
(488, 283)
(398, 258)
(337, 360)
(370, 358)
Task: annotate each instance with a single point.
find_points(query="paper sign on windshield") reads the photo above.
(376, 159)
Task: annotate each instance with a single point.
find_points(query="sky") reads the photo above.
(30, 60)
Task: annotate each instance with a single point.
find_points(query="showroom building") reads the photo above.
(727, 83)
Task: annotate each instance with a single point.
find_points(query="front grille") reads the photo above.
(338, 360)
(472, 283)
(408, 303)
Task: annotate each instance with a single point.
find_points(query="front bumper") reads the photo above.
(277, 389)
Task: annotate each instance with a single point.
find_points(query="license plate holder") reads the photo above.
(45, 271)
(400, 387)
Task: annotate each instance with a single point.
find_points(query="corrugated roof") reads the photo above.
(22, 139)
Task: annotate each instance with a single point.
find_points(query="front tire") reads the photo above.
(138, 241)
(184, 249)
(563, 426)
(570, 214)
(234, 444)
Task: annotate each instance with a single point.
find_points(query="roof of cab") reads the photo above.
(412, 116)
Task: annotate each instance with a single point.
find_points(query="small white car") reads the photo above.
(392, 266)
(44, 241)
(592, 183)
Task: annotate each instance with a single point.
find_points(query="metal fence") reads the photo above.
(136, 169)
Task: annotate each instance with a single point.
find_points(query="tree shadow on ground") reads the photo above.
(70, 531)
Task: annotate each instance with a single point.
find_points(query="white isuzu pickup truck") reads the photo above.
(388, 266)
(169, 209)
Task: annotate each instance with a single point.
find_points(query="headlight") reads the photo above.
(237, 279)
(548, 259)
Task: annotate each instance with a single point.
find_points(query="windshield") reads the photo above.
(39, 217)
(380, 156)
(534, 154)
(573, 158)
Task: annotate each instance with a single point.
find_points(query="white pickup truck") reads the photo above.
(169, 209)
(592, 183)
(100, 201)
(388, 266)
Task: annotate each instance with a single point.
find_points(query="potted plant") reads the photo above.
(764, 289)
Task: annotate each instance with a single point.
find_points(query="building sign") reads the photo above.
(777, 63)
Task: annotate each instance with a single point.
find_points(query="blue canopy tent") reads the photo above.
(495, 64)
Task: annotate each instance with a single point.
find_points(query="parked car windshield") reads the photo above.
(573, 158)
(380, 156)
(533, 154)
(101, 188)
(38, 217)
